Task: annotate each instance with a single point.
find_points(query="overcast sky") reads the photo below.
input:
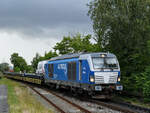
(31, 26)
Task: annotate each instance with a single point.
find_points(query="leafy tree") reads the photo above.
(39, 58)
(35, 61)
(18, 62)
(123, 27)
(143, 82)
(49, 55)
(4, 67)
(75, 44)
(30, 69)
(64, 46)
(17, 69)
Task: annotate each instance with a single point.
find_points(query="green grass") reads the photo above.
(12, 99)
(20, 100)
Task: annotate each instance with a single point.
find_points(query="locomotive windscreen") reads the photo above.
(105, 62)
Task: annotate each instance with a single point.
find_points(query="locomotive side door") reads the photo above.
(84, 72)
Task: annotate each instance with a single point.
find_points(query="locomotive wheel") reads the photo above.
(74, 92)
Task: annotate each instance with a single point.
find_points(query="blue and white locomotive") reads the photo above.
(94, 73)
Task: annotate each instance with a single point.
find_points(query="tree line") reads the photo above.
(121, 27)
(69, 44)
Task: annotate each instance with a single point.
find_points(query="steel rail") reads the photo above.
(68, 101)
(111, 106)
(50, 102)
(131, 106)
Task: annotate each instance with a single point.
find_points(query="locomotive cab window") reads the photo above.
(106, 62)
(50, 69)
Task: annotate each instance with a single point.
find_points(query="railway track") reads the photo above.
(53, 103)
(120, 106)
(114, 105)
(136, 108)
(46, 99)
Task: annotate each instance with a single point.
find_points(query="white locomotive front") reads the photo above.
(105, 71)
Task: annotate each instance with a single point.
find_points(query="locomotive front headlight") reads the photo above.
(102, 55)
(118, 79)
(92, 79)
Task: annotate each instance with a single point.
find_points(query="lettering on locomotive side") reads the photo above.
(63, 67)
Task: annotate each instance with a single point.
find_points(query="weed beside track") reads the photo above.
(20, 100)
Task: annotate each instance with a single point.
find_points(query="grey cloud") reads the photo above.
(44, 18)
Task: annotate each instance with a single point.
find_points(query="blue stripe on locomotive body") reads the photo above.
(60, 70)
(60, 73)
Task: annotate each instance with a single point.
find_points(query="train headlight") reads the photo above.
(92, 79)
(103, 55)
(118, 79)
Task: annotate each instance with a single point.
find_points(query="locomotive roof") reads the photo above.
(77, 55)
(66, 56)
